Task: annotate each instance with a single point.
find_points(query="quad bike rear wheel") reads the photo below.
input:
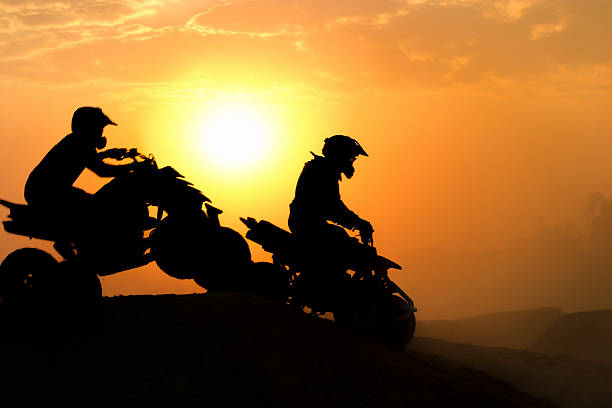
(27, 275)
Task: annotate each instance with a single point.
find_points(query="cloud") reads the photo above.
(30, 29)
(111, 11)
(250, 19)
(6, 25)
(347, 20)
(46, 20)
(140, 32)
(511, 10)
(545, 30)
(386, 44)
(302, 46)
(587, 80)
(503, 10)
(377, 20)
(134, 93)
(198, 25)
(329, 76)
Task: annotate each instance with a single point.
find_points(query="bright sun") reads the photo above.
(234, 135)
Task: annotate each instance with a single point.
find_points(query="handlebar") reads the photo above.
(119, 153)
(122, 154)
(366, 238)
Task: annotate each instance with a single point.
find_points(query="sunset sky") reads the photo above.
(488, 125)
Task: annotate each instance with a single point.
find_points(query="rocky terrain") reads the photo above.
(584, 335)
(565, 357)
(515, 329)
(222, 350)
(566, 381)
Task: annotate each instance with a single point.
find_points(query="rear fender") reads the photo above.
(7, 204)
(26, 222)
(15, 209)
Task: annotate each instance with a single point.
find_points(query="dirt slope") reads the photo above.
(227, 350)
(516, 329)
(586, 335)
(566, 381)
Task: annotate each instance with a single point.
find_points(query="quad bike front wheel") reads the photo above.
(224, 261)
(27, 275)
(268, 280)
(176, 246)
(391, 322)
(400, 329)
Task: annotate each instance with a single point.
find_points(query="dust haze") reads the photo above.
(567, 266)
(479, 117)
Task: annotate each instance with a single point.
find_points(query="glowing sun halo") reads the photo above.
(234, 136)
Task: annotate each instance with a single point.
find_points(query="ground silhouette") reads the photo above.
(564, 357)
(224, 350)
(567, 382)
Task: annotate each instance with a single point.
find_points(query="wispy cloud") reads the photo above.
(545, 30)
(33, 28)
(377, 20)
(196, 25)
(504, 10)
(302, 46)
(386, 44)
(512, 10)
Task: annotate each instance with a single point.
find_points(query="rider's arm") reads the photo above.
(116, 154)
(102, 169)
(341, 215)
(348, 219)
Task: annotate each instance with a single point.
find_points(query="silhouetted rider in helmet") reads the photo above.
(49, 187)
(317, 205)
(317, 195)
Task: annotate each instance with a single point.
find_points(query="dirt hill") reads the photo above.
(516, 329)
(223, 350)
(586, 335)
(566, 381)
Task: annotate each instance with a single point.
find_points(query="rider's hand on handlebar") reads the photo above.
(132, 153)
(119, 153)
(365, 232)
(115, 153)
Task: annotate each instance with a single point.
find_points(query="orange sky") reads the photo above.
(488, 124)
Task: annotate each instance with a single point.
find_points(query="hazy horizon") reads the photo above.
(487, 125)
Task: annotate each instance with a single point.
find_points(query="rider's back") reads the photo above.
(317, 197)
(53, 177)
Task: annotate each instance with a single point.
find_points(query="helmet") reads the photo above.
(87, 118)
(342, 148)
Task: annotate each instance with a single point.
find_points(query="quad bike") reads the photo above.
(116, 232)
(368, 301)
